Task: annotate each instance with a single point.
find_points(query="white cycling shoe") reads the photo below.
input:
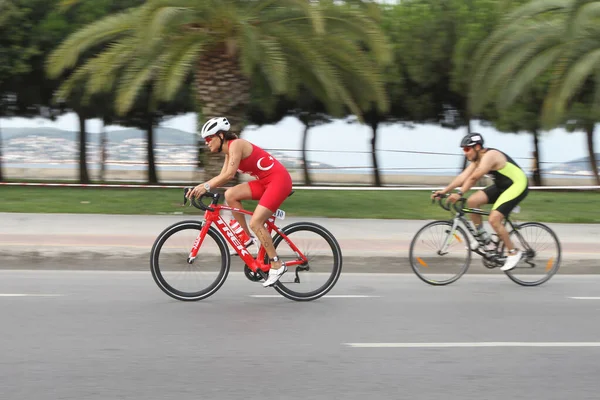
(512, 260)
(274, 275)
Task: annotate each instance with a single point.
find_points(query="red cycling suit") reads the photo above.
(273, 181)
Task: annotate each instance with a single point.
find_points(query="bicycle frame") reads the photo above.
(214, 217)
(460, 218)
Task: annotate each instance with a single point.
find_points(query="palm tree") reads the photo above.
(559, 36)
(226, 44)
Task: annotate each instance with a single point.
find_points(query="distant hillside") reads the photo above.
(162, 135)
(579, 164)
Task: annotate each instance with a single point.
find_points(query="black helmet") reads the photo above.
(471, 140)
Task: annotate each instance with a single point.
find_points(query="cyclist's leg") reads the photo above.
(277, 190)
(507, 201)
(476, 200)
(244, 191)
(501, 209)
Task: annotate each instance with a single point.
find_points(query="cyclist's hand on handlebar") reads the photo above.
(196, 192)
(454, 197)
(437, 194)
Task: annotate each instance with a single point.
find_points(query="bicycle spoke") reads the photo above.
(433, 265)
(545, 257)
(317, 276)
(175, 275)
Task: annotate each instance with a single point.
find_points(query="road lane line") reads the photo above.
(585, 298)
(473, 344)
(29, 295)
(334, 296)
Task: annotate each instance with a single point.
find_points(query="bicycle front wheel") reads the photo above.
(541, 258)
(315, 277)
(194, 280)
(438, 255)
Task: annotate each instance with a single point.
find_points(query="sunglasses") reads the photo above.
(208, 139)
(467, 148)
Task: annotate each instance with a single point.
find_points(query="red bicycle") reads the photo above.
(190, 259)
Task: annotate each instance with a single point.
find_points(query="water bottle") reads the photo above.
(239, 231)
(483, 236)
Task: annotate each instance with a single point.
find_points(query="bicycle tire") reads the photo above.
(286, 288)
(193, 228)
(551, 266)
(434, 241)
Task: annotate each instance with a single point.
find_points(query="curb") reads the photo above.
(139, 261)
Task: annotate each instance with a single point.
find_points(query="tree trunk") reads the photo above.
(221, 91)
(83, 171)
(1, 159)
(376, 175)
(152, 178)
(307, 180)
(537, 172)
(589, 130)
(103, 142)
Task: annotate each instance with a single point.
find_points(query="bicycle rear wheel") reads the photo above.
(542, 254)
(320, 273)
(189, 281)
(430, 263)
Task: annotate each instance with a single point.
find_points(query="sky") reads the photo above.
(345, 144)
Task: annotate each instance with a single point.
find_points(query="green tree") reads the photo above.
(524, 116)
(65, 18)
(21, 92)
(225, 43)
(558, 36)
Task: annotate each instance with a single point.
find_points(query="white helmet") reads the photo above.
(215, 125)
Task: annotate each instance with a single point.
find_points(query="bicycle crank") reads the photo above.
(254, 276)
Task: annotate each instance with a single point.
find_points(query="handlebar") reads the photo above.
(198, 202)
(446, 206)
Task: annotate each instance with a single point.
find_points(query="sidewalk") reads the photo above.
(91, 241)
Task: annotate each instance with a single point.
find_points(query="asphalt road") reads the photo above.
(114, 335)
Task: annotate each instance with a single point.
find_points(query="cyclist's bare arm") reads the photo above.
(458, 180)
(224, 168)
(230, 167)
(489, 161)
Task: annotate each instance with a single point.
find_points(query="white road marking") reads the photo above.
(474, 344)
(333, 296)
(29, 295)
(585, 298)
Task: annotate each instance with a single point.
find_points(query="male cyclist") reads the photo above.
(510, 187)
(272, 186)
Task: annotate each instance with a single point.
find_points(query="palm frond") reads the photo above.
(587, 15)
(365, 30)
(506, 57)
(102, 31)
(275, 63)
(76, 80)
(575, 76)
(176, 65)
(526, 75)
(162, 18)
(358, 70)
(535, 9)
(104, 68)
(136, 76)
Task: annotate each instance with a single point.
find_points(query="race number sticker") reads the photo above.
(280, 214)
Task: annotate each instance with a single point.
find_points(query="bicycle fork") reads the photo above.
(197, 243)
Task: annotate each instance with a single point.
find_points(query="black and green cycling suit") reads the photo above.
(509, 188)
